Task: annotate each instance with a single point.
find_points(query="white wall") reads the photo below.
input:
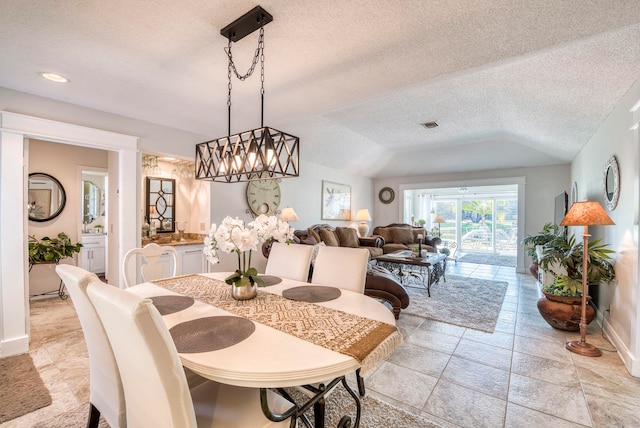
(614, 137)
(542, 185)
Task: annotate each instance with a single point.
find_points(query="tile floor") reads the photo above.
(519, 376)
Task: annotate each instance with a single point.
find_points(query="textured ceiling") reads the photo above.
(512, 84)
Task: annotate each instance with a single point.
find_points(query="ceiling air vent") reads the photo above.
(430, 125)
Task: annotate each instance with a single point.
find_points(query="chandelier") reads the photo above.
(257, 154)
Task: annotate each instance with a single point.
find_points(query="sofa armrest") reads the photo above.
(433, 241)
(371, 241)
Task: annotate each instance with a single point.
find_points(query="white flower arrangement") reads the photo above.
(233, 236)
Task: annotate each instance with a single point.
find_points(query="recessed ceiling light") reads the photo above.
(430, 125)
(55, 77)
(167, 158)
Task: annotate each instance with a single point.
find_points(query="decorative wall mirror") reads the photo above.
(92, 201)
(611, 183)
(161, 203)
(46, 197)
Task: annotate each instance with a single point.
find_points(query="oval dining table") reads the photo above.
(256, 347)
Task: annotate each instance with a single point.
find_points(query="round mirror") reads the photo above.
(46, 197)
(611, 185)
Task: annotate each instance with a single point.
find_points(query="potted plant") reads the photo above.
(561, 304)
(535, 244)
(48, 250)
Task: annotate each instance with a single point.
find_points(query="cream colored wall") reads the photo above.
(60, 161)
(614, 137)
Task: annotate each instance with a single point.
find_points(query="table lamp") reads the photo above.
(288, 214)
(363, 217)
(439, 220)
(585, 214)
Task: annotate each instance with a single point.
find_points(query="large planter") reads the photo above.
(563, 312)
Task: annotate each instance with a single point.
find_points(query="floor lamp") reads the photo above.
(439, 220)
(585, 214)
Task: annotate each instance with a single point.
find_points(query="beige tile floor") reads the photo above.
(519, 376)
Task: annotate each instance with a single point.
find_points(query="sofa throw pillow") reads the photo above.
(314, 234)
(309, 240)
(417, 232)
(329, 237)
(402, 235)
(385, 232)
(348, 237)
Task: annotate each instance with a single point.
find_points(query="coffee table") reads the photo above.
(425, 270)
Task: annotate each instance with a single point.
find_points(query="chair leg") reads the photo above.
(94, 417)
(319, 410)
(360, 380)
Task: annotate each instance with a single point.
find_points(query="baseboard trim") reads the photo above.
(631, 363)
(15, 346)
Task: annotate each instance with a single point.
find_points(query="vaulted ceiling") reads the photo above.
(511, 84)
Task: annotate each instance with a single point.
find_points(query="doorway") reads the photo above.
(16, 128)
(474, 220)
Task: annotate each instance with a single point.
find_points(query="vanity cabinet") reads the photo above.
(191, 259)
(93, 254)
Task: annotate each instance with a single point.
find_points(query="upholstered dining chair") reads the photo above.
(106, 396)
(345, 268)
(151, 269)
(341, 267)
(155, 387)
(290, 261)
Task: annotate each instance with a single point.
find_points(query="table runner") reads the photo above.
(366, 340)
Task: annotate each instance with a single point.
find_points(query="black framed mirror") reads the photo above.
(611, 183)
(46, 197)
(161, 200)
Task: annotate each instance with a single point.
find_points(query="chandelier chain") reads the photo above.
(258, 55)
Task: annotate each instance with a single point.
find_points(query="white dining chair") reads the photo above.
(151, 268)
(345, 268)
(290, 261)
(156, 391)
(106, 396)
(341, 267)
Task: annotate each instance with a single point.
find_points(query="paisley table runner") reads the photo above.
(366, 340)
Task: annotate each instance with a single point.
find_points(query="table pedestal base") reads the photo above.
(317, 401)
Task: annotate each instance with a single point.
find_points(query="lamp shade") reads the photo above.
(363, 215)
(439, 219)
(586, 213)
(288, 214)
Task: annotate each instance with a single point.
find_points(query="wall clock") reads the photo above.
(386, 195)
(263, 196)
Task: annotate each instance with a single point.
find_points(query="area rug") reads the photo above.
(488, 259)
(467, 302)
(21, 388)
(375, 413)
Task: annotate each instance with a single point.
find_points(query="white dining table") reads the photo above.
(268, 357)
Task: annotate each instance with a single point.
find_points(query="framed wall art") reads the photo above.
(336, 201)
